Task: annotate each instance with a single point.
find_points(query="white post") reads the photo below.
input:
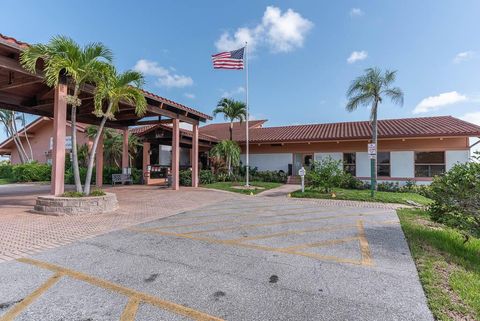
(247, 167)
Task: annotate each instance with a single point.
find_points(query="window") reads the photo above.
(349, 163)
(429, 164)
(383, 164)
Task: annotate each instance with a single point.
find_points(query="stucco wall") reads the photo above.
(40, 142)
(402, 164)
(363, 164)
(456, 156)
(277, 161)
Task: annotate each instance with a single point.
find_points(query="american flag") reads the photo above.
(229, 59)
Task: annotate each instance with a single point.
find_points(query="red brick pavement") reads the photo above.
(23, 233)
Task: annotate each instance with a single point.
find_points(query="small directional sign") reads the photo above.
(372, 151)
(301, 171)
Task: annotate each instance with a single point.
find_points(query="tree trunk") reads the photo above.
(91, 158)
(231, 130)
(26, 137)
(374, 141)
(19, 140)
(73, 119)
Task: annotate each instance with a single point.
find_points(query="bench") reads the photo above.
(125, 177)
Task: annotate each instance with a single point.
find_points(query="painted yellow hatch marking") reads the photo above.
(134, 297)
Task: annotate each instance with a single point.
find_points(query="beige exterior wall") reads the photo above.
(40, 142)
(401, 157)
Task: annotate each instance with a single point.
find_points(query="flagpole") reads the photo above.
(247, 167)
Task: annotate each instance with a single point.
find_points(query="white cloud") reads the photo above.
(280, 32)
(357, 56)
(356, 12)
(463, 56)
(165, 77)
(436, 102)
(235, 92)
(189, 95)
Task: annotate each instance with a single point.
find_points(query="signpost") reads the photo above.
(301, 172)
(372, 154)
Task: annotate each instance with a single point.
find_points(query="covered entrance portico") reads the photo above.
(25, 92)
(159, 156)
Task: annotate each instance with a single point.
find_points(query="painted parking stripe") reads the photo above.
(29, 299)
(130, 293)
(366, 258)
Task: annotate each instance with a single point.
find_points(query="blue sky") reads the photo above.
(300, 67)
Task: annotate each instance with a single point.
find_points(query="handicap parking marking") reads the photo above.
(135, 298)
(366, 257)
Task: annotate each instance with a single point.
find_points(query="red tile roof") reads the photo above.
(222, 130)
(442, 126)
(22, 45)
(142, 130)
(13, 41)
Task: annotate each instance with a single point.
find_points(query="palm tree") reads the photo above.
(369, 89)
(63, 57)
(232, 110)
(113, 88)
(9, 120)
(229, 151)
(113, 144)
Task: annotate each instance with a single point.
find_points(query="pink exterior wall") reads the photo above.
(41, 143)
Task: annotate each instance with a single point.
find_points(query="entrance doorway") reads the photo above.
(301, 160)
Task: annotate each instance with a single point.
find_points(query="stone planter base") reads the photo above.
(54, 205)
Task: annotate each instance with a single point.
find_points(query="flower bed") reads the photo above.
(55, 205)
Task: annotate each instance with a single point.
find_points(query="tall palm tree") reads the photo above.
(113, 88)
(232, 110)
(229, 151)
(63, 57)
(9, 120)
(369, 89)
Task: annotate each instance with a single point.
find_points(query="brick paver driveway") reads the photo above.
(245, 258)
(22, 232)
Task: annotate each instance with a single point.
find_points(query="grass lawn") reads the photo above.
(229, 186)
(364, 195)
(4, 181)
(449, 270)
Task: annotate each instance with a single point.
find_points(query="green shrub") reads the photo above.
(456, 196)
(325, 174)
(206, 177)
(388, 187)
(97, 192)
(412, 187)
(31, 172)
(269, 176)
(185, 177)
(73, 194)
(348, 181)
(6, 170)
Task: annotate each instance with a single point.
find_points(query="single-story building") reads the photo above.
(409, 149)
(38, 135)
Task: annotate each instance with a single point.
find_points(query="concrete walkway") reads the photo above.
(281, 191)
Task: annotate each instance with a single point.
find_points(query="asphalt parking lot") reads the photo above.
(247, 259)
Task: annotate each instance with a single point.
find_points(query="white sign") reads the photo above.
(68, 142)
(301, 171)
(372, 149)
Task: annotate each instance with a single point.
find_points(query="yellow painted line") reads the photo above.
(258, 247)
(277, 223)
(144, 297)
(364, 248)
(280, 234)
(22, 305)
(131, 309)
(320, 243)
